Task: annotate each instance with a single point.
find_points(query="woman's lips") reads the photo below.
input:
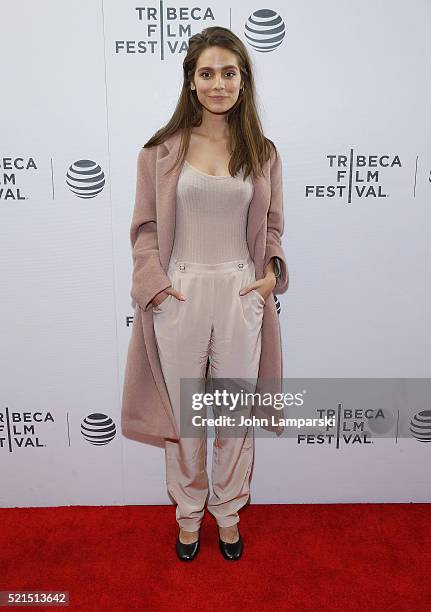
(218, 97)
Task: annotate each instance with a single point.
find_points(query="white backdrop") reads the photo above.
(86, 85)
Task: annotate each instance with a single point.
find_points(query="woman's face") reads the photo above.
(217, 74)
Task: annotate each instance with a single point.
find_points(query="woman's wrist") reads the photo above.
(270, 270)
(271, 279)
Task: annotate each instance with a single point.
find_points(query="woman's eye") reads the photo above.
(204, 73)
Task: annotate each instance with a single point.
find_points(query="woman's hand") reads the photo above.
(266, 285)
(162, 296)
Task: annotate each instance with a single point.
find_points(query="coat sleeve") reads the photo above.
(148, 276)
(275, 226)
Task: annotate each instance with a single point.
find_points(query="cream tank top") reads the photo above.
(211, 216)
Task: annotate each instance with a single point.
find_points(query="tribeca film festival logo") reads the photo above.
(84, 178)
(350, 426)
(166, 29)
(9, 166)
(354, 175)
(21, 429)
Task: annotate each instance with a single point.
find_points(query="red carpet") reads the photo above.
(296, 557)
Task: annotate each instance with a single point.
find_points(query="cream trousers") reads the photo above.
(218, 324)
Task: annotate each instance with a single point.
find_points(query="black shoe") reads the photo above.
(231, 552)
(187, 552)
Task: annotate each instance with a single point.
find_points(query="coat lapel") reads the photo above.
(166, 187)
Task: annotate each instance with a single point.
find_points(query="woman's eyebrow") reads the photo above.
(223, 67)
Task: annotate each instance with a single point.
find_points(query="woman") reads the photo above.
(206, 304)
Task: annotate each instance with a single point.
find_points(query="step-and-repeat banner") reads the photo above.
(344, 92)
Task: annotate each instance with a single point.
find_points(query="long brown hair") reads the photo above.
(250, 148)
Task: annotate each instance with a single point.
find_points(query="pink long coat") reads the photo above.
(146, 408)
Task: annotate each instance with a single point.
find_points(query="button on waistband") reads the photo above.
(208, 268)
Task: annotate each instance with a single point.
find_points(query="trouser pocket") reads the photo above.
(165, 305)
